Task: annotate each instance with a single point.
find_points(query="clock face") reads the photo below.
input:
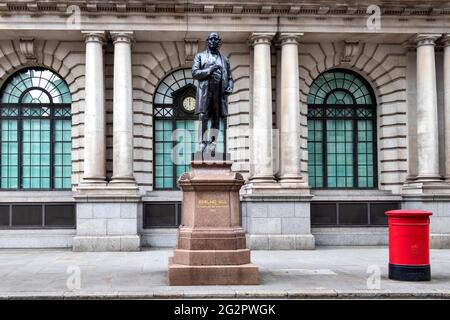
(189, 104)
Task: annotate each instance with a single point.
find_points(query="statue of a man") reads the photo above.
(215, 84)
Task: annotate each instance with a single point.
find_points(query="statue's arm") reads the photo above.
(197, 72)
(230, 79)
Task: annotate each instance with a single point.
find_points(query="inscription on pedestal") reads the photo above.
(212, 203)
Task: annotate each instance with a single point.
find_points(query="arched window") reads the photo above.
(176, 128)
(341, 131)
(35, 124)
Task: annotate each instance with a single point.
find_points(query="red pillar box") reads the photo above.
(409, 245)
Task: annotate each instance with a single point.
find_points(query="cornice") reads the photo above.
(256, 7)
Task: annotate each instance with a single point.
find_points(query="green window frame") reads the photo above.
(341, 131)
(175, 130)
(35, 131)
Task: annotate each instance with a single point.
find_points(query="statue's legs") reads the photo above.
(203, 118)
(214, 115)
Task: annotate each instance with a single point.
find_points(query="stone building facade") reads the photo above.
(339, 113)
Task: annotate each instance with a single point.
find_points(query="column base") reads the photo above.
(260, 185)
(431, 178)
(294, 182)
(262, 179)
(126, 185)
(93, 182)
(123, 180)
(426, 186)
(106, 243)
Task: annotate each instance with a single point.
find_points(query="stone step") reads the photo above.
(182, 275)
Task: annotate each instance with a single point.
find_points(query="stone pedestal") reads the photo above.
(107, 219)
(211, 246)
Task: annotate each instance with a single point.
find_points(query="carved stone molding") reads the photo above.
(351, 50)
(27, 48)
(446, 40)
(120, 7)
(190, 49)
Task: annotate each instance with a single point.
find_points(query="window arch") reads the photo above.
(341, 131)
(176, 128)
(35, 125)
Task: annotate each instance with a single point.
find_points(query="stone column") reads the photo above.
(446, 43)
(261, 161)
(107, 216)
(290, 162)
(427, 117)
(122, 109)
(275, 215)
(94, 113)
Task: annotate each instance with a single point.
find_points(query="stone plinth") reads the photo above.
(107, 218)
(211, 247)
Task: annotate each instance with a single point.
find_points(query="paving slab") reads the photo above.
(327, 272)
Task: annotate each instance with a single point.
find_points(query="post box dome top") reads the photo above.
(408, 213)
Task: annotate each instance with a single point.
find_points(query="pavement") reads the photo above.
(327, 272)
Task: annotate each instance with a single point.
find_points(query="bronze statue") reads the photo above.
(215, 84)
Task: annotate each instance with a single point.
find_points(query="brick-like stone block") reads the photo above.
(282, 242)
(295, 226)
(302, 210)
(106, 210)
(257, 242)
(281, 210)
(130, 243)
(91, 227)
(106, 243)
(305, 242)
(128, 210)
(96, 243)
(440, 241)
(84, 210)
(264, 225)
(121, 226)
(256, 210)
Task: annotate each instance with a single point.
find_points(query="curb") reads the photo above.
(273, 295)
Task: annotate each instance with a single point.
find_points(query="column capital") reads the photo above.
(94, 36)
(261, 38)
(445, 39)
(289, 38)
(122, 36)
(426, 39)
